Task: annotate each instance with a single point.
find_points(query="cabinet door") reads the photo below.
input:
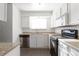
(63, 9)
(58, 22)
(33, 41)
(25, 22)
(62, 53)
(74, 13)
(46, 41)
(52, 21)
(74, 52)
(58, 12)
(40, 41)
(62, 49)
(64, 20)
(3, 11)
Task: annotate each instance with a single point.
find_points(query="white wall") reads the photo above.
(6, 27)
(0, 30)
(16, 26)
(10, 30)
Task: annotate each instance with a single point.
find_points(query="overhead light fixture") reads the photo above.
(37, 5)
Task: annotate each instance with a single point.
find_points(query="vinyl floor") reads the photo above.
(34, 52)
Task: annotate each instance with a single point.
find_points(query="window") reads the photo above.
(38, 22)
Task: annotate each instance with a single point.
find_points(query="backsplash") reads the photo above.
(58, 30)
(36, 30)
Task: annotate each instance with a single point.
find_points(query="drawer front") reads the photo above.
(63, 46)
(62, 52)
(73, 52)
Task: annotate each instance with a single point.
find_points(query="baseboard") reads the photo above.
(39, 48)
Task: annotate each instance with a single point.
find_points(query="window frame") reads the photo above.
(39, 17)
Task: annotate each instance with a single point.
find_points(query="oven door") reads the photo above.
(54, 47)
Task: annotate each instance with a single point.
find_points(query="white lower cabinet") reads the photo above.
(73, 52)
(32, 41)
(14, 52)
(43, 41)
(65, 50)
(39, 41)
(62, 49)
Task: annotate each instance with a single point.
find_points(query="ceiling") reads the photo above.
(37, 6)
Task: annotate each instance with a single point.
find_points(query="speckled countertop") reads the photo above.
(73, 43)
(6, 47)
(26, 33)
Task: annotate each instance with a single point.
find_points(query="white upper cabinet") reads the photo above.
(52, 20)
(57, 13)
(54, 17)
(58, 22)
(60, 15)
(66, 14)
(65, 20)
(63, 9)
(62, 21)
(25, 22)
(3, 11)
(74, 13)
